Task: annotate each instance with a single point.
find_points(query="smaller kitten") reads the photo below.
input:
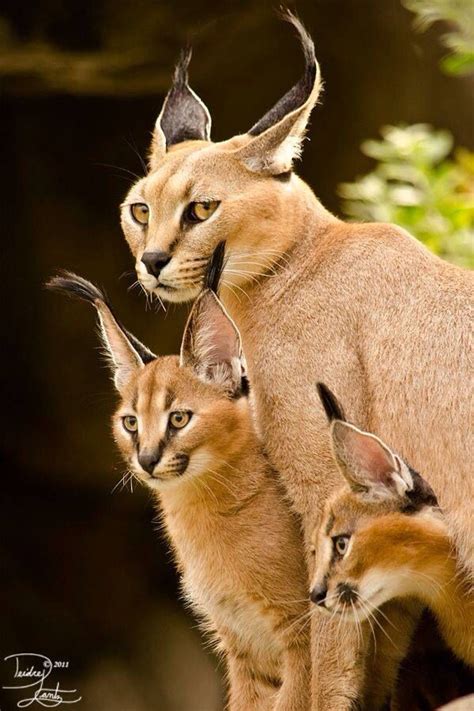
(384, 537)
(184, 426)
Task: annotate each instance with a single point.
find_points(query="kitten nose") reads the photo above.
(148, 461)
(318, 594)
(155, 261)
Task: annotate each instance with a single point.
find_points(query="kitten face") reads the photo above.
(367, 552)
(197, 197)
(171, 426)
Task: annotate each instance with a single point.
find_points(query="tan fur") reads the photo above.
(185, 428)
(236, 543)
(363, 307)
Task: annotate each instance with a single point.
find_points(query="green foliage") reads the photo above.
(415, 185)
(460, 40)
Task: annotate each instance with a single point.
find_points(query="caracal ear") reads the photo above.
(276, 140)
(212, 346)
(183, 117)
(368, 464)
(125, 353)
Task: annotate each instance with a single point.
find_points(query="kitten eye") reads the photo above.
(341, 544)
(200, 211)
(179, 419)
(130, 423)
(140, 212)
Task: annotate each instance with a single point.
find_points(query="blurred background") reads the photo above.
(85, 575)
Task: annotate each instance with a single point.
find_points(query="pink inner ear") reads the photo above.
(366, 457)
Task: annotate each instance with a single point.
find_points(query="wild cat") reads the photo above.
(364, 307)
(384, 537)
(184, 427)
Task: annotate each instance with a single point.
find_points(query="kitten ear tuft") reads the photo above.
(125, 353)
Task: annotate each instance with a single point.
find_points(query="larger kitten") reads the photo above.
(184, 426)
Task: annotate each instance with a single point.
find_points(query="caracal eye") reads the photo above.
(341, 544)
(140, 212)
(130, 423)
(201, 211)
(179, 419)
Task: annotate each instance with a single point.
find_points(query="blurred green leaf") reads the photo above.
(416, 185)
(460, 16)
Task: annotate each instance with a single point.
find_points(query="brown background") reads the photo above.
(84, 576)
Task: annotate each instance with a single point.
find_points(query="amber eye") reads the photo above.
(179, 419)
(130, 423)
(341, 544)
(201, 211)
(140, 212)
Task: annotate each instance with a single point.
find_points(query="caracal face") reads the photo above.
(171, 426)
(202, 178)
(365, 547)
(198, 193)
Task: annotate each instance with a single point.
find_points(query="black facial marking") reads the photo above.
(169, 397)
(181, 460)
(214, 269)
(421, 495)
(283, 177)
(330, 524)
(347, 593)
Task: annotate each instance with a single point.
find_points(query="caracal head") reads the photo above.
(366, 538)
(198, 193)
(179, 417)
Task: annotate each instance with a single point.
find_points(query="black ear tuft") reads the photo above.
(332, 407)
(77, 287)
(215, 268)
(184, 116)
(301, 91)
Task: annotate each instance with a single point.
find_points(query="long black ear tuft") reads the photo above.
(301, 91)
(77, 287)
(215, 268)
(332, 407)
(184, 117)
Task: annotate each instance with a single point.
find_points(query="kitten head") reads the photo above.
(368, 528)
(198, 193)
(178, 416)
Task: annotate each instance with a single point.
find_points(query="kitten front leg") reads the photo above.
(338, 655)
(294, 694)
(246, 691)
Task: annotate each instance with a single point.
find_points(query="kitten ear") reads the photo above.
(126, 354)
(211, 345)
(276, 140)
(368, 464)
(183, 117)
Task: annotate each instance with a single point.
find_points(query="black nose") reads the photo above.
(318, 594)
(155, 261)
(148, 461)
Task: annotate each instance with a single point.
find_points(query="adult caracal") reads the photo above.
(184, 426)
(364, 307)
